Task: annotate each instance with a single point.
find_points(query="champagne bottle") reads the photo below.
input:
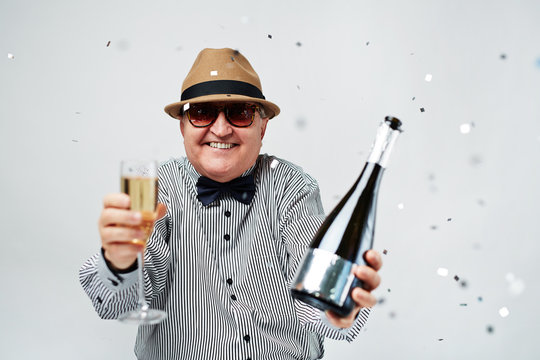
(325, 279)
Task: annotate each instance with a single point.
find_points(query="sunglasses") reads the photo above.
(237, 114)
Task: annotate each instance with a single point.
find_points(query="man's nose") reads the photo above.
(221, 127)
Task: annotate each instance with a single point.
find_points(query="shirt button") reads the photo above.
(227, 213)
(227, 237)
(233, 297)
(246, 338)
(229, 281)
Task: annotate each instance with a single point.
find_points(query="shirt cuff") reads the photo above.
(115, 280)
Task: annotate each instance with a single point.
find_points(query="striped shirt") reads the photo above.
(222, 272)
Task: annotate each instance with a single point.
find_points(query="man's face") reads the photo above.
(222, 151)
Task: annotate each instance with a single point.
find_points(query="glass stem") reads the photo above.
(143, 305)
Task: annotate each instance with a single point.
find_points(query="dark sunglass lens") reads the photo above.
(241, 114)
(201, 114)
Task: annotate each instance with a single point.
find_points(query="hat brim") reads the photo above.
(174, 109)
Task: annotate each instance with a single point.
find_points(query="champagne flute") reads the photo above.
(139, 181)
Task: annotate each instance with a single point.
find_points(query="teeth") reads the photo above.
(221, 145)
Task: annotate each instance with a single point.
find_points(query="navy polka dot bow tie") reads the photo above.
(241, 188)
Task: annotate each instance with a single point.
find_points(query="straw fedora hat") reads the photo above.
(221, 75)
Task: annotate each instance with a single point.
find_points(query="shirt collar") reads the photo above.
(194, 174)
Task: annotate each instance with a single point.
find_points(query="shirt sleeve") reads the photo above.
(302, 215)
(113, 293)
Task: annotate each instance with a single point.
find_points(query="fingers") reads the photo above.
(363, 298)
(118, 200)
(369, 277)
(374, 259)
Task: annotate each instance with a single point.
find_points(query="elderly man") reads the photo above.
(232, 228)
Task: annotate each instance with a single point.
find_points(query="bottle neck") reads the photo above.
(384, 142)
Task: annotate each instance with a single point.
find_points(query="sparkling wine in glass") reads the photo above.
(139, 180)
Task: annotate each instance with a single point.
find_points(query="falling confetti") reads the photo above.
(108, 43)
(274, 163)
(481, 202)
(504, 312)
(75, 140)
(389, 290)
(269, 36)
(301, 123)
(538, 62)
(440, 339)
(385, 252)
(442, 272)
(456, 277)
(449, 219)
(490, 329)
(367, 43)
(515, 285)
(463, 284)
(298, 43)
(428, 77)
(463, 304)
(213, 73)
(503, 56)
(10, 56)
(480, 299)
(381, 301)
(433, 227)
(400, 206)
(465, 128)
(475, 160)
(298, 87)
(414, 98)
(422, 109)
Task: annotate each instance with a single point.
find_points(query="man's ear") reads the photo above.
(182, 126)
(264, 122)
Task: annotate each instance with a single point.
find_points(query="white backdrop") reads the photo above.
(72, 107)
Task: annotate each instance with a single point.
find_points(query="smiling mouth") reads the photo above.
(217, 145)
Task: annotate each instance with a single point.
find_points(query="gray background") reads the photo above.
(73, 107)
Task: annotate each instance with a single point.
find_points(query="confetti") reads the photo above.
(481, 202)
(389, 290)
(449, 219)
(463, 284)
(213, 73)
(385, 252)
(274, 163)
(538, 62)
(490, 329)
(381, 301)
(186, 107)
(504, 312)
(10, 56)
(456, 277)
(298, 43)
(463, 304)
(433, 227)
(422, 109)
(414, 97)
(400, 206)
(503, 56)
(269, 36)
(475, 160)
(392, 315)
(367, 43)
(442, 272)
(515, 285)
(298, 87)
(108, 43)
(465, 128)
(301, 123)
(428, 77)
(440, 339)
(480, 299)
(75, 140)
